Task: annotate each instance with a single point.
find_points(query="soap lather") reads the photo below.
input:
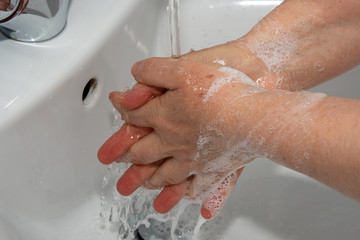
(33, 20)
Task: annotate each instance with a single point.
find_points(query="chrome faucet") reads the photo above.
(32, 20)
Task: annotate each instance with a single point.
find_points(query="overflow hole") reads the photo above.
(89, 91)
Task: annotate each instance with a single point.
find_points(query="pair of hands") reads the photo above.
(179, 130)
(184, 114)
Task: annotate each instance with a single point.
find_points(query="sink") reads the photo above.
(54, 115)
(52, 124)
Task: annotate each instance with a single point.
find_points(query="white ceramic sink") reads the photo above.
(50, 179)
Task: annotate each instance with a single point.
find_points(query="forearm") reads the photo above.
(297, 46)
(304, 43)
(334, 146)
(320, 138)
(311, 133)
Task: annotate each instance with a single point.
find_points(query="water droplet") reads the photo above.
(319, 66)
(105, 181)
(102, 215)
(307, 155)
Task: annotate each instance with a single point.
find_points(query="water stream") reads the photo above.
(174, 21)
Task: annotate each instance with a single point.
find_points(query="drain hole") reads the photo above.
(89, 91)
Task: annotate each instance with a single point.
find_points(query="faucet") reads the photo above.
(32, 20)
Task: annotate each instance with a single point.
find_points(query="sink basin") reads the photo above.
(54, 115)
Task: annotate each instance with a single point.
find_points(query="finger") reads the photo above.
(128, 134)
(135, 177)
(126, 102)
(170, 172)
(169, 197)
(134, 117)
(148, 115)
(157, 72)
(120, 142)
(216, 199)
(134, 98)
(150, 149)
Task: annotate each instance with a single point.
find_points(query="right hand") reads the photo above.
(233, 54)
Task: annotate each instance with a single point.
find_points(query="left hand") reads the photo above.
(137, 175)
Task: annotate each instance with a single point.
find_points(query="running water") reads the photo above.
(174, 20)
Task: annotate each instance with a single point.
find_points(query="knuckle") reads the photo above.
(167, 179)
(150, 185)
(149, 121)
(132, 116)
(127, 158)
(146, 67)
(153, 118)
(136, 156)
(124, 115)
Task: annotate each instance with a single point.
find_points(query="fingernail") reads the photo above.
(206, 213)
(117, 98)
(113, 95)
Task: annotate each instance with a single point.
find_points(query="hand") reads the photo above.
(233, 54)
(184, 175)
(137, 175)
(120, 142)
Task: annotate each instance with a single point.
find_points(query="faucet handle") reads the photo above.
(11, 8)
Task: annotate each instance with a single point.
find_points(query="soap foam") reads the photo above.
(220, 153)
(219, 195)
(276, 53)
(220, 62)
(231, 75)
(127, 215)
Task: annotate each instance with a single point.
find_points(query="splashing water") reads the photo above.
(126, 215)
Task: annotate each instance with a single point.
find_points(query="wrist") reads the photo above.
(296, 42)
(237, 55)
(250, 64)
(286, 122)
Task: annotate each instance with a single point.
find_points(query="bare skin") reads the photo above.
(324, 145)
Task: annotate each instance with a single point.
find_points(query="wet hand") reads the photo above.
(234, 54)
(180, 181)
(137, 175)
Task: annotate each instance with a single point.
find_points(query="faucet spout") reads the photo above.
(32, 21)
